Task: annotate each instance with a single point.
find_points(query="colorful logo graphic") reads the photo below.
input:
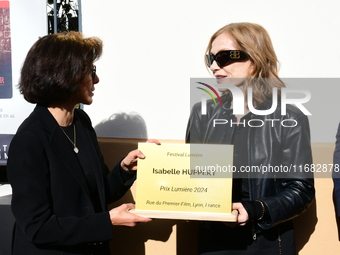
(209, 93)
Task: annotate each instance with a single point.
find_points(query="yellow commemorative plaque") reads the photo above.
(185, 181)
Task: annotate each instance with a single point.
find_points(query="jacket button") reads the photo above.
(236, 155)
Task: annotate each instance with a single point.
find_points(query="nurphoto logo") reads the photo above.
(287, 96)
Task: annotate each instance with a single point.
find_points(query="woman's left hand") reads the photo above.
(129, 163)
(243, 216)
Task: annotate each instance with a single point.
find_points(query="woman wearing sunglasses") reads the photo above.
(61, 186)
(242, 54)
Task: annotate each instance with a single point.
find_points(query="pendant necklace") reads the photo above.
(76, 150)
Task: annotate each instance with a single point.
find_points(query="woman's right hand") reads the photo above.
(120, 216)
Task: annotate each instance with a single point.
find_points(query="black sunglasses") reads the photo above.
(226, 57)
(94, 70)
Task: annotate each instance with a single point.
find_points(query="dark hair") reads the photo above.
(55, 65)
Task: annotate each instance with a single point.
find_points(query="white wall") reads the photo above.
(153, 48)
(28, 22)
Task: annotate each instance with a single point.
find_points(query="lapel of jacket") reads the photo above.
(85, 129)
(58, 141)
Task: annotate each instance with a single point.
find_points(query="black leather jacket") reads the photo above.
(286, 195)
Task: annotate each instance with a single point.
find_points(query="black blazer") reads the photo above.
(59, 197)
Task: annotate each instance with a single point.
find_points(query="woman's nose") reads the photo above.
(96, 79)
(214, 66)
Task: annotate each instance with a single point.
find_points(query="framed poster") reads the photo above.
(6, 90)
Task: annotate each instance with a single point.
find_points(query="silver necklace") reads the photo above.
(76, 150)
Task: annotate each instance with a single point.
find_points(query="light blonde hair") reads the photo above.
(255, 41)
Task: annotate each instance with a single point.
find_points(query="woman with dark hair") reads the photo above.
(61, 185)
(242, 54)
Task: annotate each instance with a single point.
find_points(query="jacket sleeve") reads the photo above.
(336, 172)
(32, 200)
(117, 181)
(194, 127)
(295, 189)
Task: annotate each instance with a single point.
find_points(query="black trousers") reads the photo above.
(215, 238)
